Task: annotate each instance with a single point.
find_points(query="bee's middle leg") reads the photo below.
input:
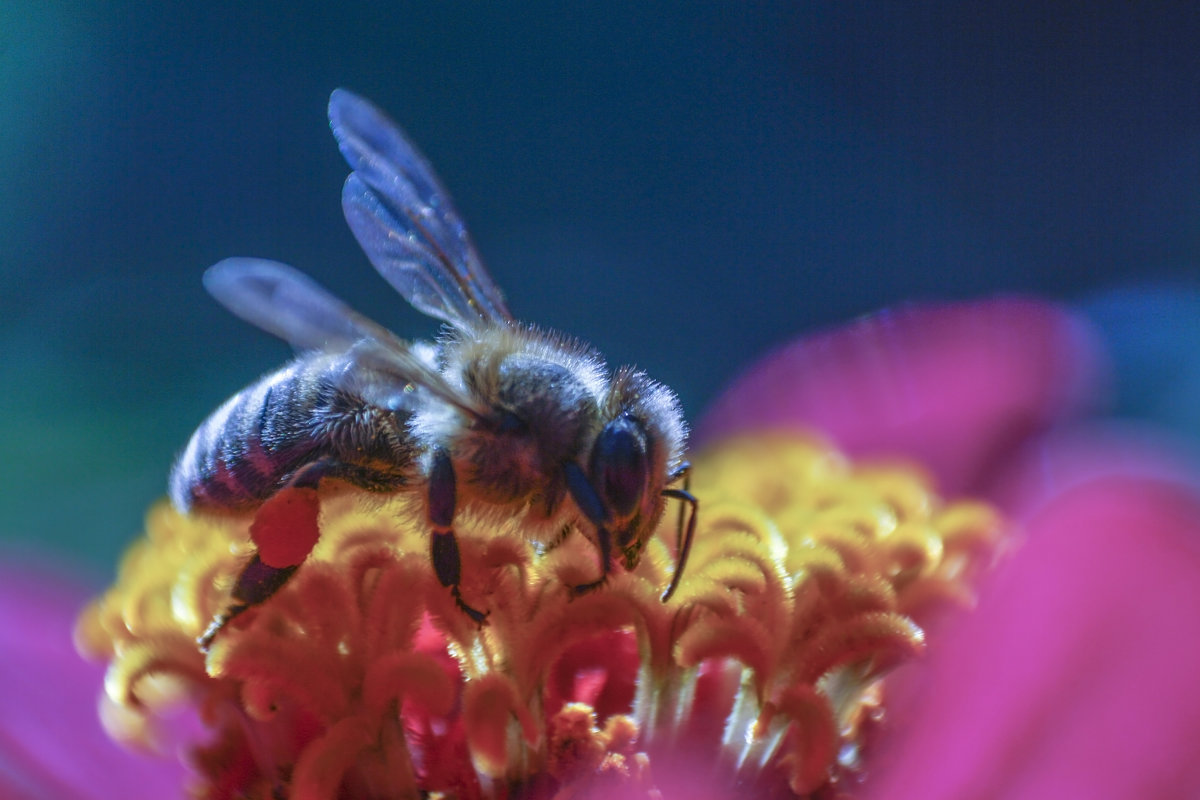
(447, 563)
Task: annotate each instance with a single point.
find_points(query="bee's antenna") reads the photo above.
(683, 544)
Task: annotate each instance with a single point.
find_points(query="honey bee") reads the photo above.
(497, 418)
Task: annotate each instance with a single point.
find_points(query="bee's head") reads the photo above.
(636, 451)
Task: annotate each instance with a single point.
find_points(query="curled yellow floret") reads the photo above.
(810, 577)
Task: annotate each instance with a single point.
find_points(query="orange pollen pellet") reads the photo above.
(285, 529)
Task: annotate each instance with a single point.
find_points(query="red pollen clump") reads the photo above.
(285, 528)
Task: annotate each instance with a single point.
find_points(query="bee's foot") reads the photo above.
(478, 617)
(205, 640)
(584, 588)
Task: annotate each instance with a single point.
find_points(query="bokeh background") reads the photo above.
(685, 185)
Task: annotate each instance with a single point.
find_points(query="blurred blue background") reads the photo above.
(684, 185)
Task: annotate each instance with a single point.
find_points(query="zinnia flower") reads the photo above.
(361, 677)
(759, 679)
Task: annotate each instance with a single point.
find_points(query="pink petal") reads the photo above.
(1077, 675)
(955, 387)
(51, 742)
(600, 671)
(1075, 454)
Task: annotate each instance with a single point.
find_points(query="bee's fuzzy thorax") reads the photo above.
(487, 344)
(562, 391)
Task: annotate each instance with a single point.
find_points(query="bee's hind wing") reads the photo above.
(405, 220)
(285, 302)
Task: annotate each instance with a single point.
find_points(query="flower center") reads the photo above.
(810, 577)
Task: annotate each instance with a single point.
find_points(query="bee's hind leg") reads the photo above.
(447, 563)
(256, 583)
(284, 531)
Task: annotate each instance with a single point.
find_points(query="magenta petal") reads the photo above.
(51, 742)
(1077, 675)
(955, 387)
(1082, 452)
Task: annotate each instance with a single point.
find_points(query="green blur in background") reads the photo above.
(683, 185)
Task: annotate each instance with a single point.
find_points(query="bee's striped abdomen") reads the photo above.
(311, 410)
(243, 452)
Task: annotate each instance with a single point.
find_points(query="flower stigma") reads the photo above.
(810, 578)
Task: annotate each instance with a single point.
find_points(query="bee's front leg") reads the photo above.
(447, 563)
(593, 508)
(604, 541)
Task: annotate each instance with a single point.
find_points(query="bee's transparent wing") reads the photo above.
(405, 221)
(285, 302)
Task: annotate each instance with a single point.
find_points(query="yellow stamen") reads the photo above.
(810, 577)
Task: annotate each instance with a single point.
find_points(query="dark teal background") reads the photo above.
(684, 185)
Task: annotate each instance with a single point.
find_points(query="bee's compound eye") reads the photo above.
(619, 464)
